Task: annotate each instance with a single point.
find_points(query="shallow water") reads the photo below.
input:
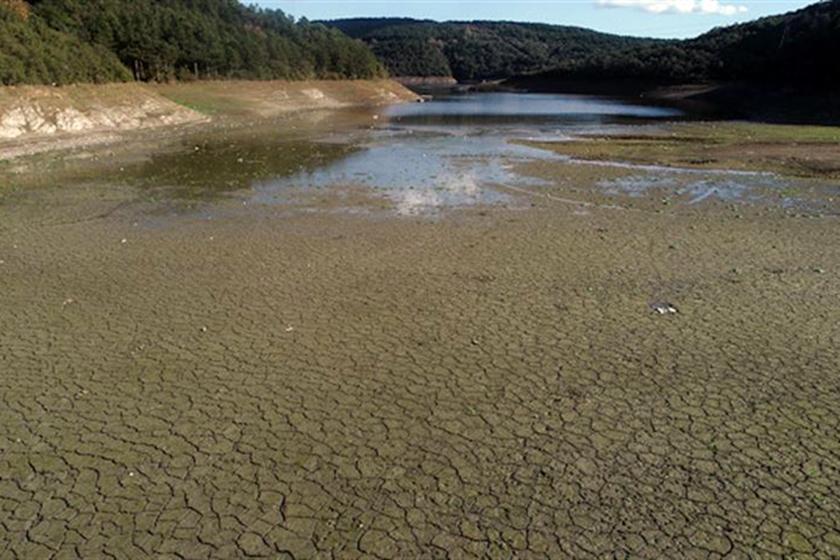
(457, 150)
(461, 150)
(424, 158)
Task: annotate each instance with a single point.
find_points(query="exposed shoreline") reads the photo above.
(755, 102)
(38, 119)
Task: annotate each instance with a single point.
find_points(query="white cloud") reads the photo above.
(677, 6)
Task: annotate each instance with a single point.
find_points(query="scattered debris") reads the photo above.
(664, 308)
(290, 329)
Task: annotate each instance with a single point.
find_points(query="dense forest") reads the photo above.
(474, 51)
(801, 48)
(66, 41)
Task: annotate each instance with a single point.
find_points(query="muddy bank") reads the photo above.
(35, 119)
(317, 382)
(313, 337)
(787, 150)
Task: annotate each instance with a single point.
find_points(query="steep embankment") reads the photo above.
(37, 111)
(40, 118)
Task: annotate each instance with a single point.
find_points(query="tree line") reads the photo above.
(66, 41)
(798, 48)
(477, 50)
(801, 48)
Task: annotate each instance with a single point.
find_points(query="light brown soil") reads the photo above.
(37, 119)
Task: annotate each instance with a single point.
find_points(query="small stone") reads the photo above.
(664, 308)
(203, 329)
(123, 241)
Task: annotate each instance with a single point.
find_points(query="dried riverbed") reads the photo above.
(302, 355)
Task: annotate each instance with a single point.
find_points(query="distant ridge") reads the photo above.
(477, 50)
(800, 48)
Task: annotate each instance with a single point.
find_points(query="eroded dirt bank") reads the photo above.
(39, 118)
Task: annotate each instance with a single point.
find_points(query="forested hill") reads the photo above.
(479, 50)
(66, 41)
(801, 48)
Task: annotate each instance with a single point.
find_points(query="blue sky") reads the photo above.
(651, 18)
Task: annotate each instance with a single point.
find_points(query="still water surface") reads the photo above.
(456, 150)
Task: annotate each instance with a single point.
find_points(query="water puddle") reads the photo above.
(685, 185)
(455, 150)
(417, 172)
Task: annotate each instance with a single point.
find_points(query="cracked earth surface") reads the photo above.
(486, 384)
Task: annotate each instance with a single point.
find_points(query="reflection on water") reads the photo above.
(454, 151)
(417, 171)
(692, 185)
(512, 108)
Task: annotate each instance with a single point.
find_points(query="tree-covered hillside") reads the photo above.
(65, 41)
(800, 48)
(471, 51)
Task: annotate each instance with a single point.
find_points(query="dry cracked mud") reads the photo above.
(490, 383)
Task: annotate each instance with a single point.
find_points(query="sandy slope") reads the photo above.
(41, 118)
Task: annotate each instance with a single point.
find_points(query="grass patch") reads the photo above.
(792, 150)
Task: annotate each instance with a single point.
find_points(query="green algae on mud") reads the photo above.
(204, 169)
(790, 150)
